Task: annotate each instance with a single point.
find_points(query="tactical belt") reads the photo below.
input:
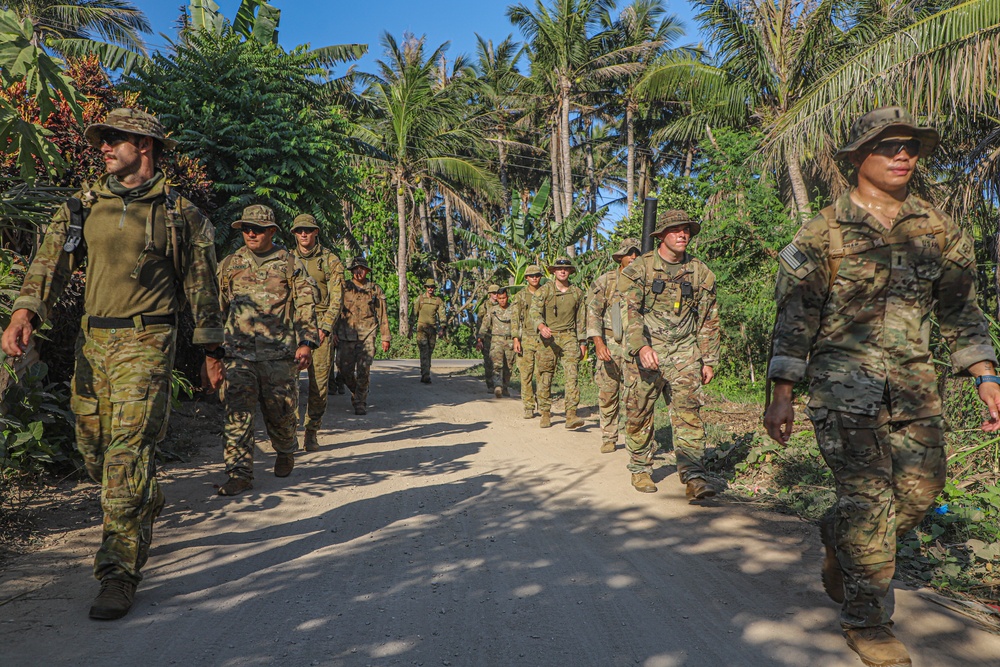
(128, 322)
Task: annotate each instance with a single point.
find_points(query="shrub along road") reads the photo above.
(443, 529)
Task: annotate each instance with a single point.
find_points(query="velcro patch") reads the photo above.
(793, 257)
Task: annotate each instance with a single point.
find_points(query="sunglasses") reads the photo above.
(893, 147)
(563, 263)
(256, 230)
(304, 230)
(114, 137)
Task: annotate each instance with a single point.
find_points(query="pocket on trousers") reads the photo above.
(88, 422)
(859, 438)
(120, 481)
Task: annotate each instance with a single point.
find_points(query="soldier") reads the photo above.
(482, 312)
(497, 329)
(270, 306)
(327, 272)
(672, 344)
(605, 328)
(363, 313)
(559, 313)
(147, 250)
(429, 310)
(526, 339)
(857, 290)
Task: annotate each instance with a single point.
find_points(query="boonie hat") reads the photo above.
(562, 262)
(256, 214)
(493, 288)
(304, 221)
(359, 263)
(132, 121)
(874, 123)
(675, 218)
(429, 282)
(533, 270)
(627, 246)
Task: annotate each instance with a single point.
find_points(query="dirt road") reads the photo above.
(443, 529)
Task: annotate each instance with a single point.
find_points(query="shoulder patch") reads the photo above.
(793, 257)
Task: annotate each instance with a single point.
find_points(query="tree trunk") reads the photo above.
(567, 175)
(401, 257)
(630, 158)
(425, 227)
(556, 197)
(799, 191)
(502, 152)
(688, 161)
(449, 229)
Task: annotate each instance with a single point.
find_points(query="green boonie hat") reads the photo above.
(493, 288)
(429, 282)
(533, 270)
(132, 121)
(627, 246)
(675, 218)
(874, 123)
(256, 214)
(562, 262)
(304, 221)
(359, 263)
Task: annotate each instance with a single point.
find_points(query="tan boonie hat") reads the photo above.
(359, 263)
(429, 282)
(493, 288)
(533, 270)
(132, 121)
(675, 218)
(562, 262)
(304, 221)
(627, 246)
(874, 123)
(256, 214)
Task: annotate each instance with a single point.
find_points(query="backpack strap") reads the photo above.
(174, 221)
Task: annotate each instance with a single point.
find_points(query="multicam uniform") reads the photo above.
(566, 315)
(363, 313)
(497, 326)
(527, 333)
(862, 337)
(270, 303)
(430, 316)
(482, 312)
(601, 298)
(125, 352)
(671, 308)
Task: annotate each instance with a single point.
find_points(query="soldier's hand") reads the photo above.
(544, 331)
(17, 335)
(322, 336)
(707, 373)
(303, 355)
(989, 392)
(385, 346)
(334, 341)
(601, 350)
(648, 358)
(213, 372)
(780, 416)
(479, 344)
(517, 346)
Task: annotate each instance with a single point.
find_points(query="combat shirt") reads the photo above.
(363, 312)
(681, 322)
(868, 330)
(270, 306)
(601, 298)
(128, 274)
(560, 311)
(521, 327)
(327, 272)
(497, 322)
(430, 312)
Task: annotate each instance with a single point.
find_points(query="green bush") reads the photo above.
(37, 426)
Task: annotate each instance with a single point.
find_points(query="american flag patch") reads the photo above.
(793, 256)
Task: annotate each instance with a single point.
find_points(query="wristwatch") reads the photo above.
(987, 378)
(218, 353)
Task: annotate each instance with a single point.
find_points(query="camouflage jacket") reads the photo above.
(671, 308)
(601, 298)
(429, 311)
(560, 311)
(520, 327)
(129, 253)
(363, 312)
(497, 322)
(327, 272)
(868, 329)
(270, 309)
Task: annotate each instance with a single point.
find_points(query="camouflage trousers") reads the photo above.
(426, 341)
(121, 398)
(887, 474)
(488, 360)
(502, 356)
(356, 357)
(681, 389)
(527, 365)
(274, 386)
(609, 391)
(562, 346)
(319, 385)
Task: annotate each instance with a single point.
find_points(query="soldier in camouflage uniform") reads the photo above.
(526, 339)
(147, 250)
(857, 290)
(672, 344)
(605, 326)
(497, 329)
(559, 313)
(328, 273)
(364, 312)
(270, 306)
(482, 312)
(429, 310)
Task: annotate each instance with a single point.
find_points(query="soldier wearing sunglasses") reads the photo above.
(856, 292)
(147, 251)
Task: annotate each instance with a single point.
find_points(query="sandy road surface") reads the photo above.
(442, 529)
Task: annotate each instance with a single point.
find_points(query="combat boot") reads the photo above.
(235, 486)
(114, 600)
(877, 646)
(546, 419)
(283, 465)
(425, 380)
(497, 392)
(572, 421)
(643, 482)
(833, 576)
(505, 392)
(309, 442)
(609, 447)
(360, 410)
(529, 413)
(698, 488)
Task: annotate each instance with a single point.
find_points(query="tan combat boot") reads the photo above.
(572, 421)
(235, 486)
(497, 392)
(643, 482)
(833, 576)
(114, 600)
(699, 488)
(283, 465)
(608, 447)
(878, 647)
(309, 442)
(546, 419)
(529, 413)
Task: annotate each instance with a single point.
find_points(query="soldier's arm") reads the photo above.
(515, 320)
(581, 318)
(49, 271)
(383, 315)
(200, 285)
(304, 317)
(709, 335)
(632, 286)
(485, 326)
(440, 313)
(335, 289)
(536, 313)
(596, 305)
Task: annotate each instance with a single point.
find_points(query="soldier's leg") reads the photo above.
(366, 355)
(609, 384)
(570, 348)
(545, 368)
(139, 364)
(424, 346)
(919, 466)
(642, 389)
(685, 401)
(488, 361)
(279, 396)
(319, 385)
(349, 355)
(91, 403)
(240, 396)
(527, 363)
(496, 362)
(508, 364)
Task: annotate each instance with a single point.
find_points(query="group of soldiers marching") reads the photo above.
(856, 292)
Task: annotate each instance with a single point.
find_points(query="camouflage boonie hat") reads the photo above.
(132, 121)
(675, 218)
(533, 270)
(562, 262)
(429, 282)
(627, 246)
(493, 288)
(874, 123)
(359, 263)
(304, 221)
(257, 214)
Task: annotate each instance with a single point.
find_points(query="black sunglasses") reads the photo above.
(114, 137)
(563, 262)
(256, 230)
(893, 147)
